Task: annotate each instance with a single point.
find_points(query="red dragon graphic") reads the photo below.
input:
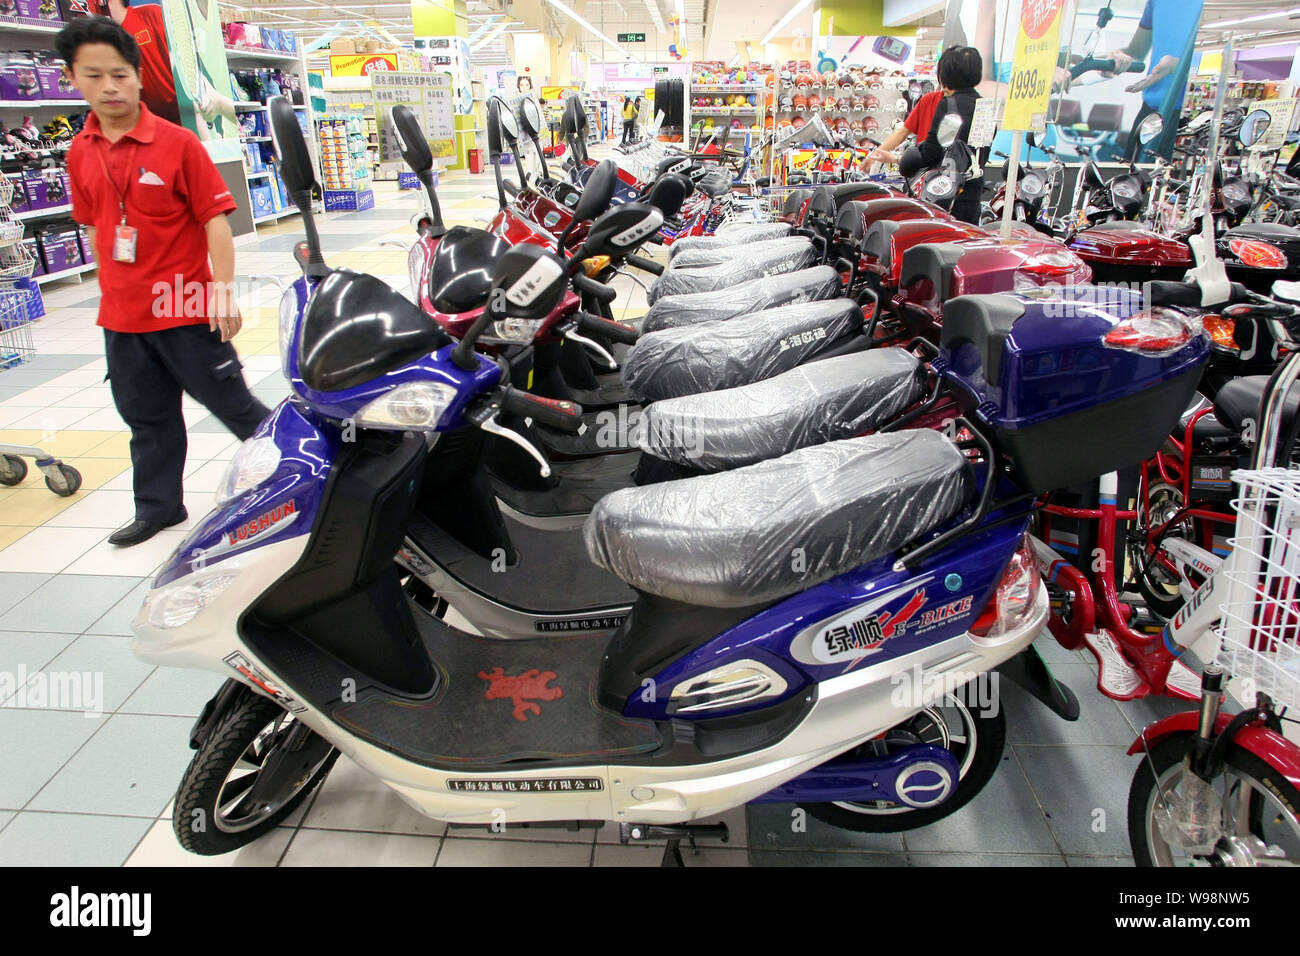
(531, 683)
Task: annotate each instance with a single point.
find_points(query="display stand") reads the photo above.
(37, 171)
(348, 177)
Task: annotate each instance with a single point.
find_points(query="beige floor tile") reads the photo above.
(9, 533)
(49, 550)
(159, 848)
(64, 443)
(32, 504)
(140, 560)
(349, 848)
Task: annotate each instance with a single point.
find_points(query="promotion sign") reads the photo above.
(362, 64)
(429, 96)
(1280, 112)
(1037, 47)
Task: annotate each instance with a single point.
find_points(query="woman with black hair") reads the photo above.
(960, 69)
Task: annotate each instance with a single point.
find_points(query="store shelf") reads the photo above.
(37, 104)
(65, 274)
(42, 213)
(287, 211)
(240, 53)
(265, 172)
(727, 87)
(249, 105)
(50, 27)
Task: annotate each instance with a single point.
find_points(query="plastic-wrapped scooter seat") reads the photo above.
(732, 235)
(708, 356)
(746, 266)
(723, 255)
(806, 285)
(828, 400)
(725, 540)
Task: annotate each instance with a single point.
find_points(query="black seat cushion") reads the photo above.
(1264, 230)
(793, 202)
(752, 263)
(725, 540)
(1239, 401)
(936, 261)
(706, 356)
(819, 282)
(732, 234)
(722, 254)
(822, 401)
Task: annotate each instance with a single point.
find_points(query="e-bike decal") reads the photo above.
(610, 622)
(258, 678)
(528, 785)
(862, 630)
(521, 690)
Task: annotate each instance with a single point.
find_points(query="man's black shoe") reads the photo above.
(138, 531)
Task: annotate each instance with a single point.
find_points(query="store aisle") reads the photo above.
(89, 782)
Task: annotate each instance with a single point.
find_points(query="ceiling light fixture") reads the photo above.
(653, 7)
(1276, 14)
(793, 12)
(589, 28)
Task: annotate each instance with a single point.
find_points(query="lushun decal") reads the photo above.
(261, 523)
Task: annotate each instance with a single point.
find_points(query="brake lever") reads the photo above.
(494, 427)
(571, 332)
(404, 246)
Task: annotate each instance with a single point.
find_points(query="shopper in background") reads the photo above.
(156, 210)
(917, 124)
(960, 69)
(629, 120)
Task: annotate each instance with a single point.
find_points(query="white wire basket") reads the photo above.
(1259, 633)
(16, 262)
(6, 190)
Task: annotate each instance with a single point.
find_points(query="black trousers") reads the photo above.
(966, 206)
(628, 127)
(147, 372)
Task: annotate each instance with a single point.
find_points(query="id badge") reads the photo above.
(124, 237)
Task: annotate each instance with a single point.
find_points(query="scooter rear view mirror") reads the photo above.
(1253, 127)
(410, 140)
(949, 127)
(506, 117)
(619, 231)
(291, 148)
(531, 114)
(1150, 128)
(668, 193)
(527, 283)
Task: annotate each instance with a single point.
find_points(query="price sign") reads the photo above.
(429, 97)
(985, 122)
(1033, 66)
(1280, 113)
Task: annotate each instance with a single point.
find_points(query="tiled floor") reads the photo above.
(95, 788)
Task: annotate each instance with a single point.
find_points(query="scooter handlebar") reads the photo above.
(597, 290)
(647, 265)
(563, 416)
(1187, 295)
(607, 328)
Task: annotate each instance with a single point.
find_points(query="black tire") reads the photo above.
(14, 472)
(248, 716)
(1169, 753)
(71, 476)
(990, 734)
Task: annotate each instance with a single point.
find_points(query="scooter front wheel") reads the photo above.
(974, 736)
(224, 802)
(1260, 810)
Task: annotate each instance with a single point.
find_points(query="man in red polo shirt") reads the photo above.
(156, 210)
(918, 123)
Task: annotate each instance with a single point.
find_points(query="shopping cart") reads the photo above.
(17, 347)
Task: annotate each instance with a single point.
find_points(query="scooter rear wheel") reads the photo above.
(213, 814)
(974, 736)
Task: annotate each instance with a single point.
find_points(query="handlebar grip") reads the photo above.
(597, 290)
(564, 416)
(608, 328)
(511, 188)
(648, 265)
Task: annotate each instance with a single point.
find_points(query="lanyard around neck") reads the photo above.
(126, 185)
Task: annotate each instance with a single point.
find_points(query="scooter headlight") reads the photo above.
(512, 331)
(1235, 190)
(1031, 185)
(256, 460)
(1125, 189)
(288, 316)
(415, 405)
(415, 260)
(940, 187)
(176, 604)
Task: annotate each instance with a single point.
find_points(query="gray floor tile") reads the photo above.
(1052, 652)
(823, 858)
(16, 585)
(1004, 816)
(108, 663)
(11, 391)
(351, 799)
(35, 744)
(1100, 722)
(1085, 793)
(1147, 710)
(25, 376)
(28, 652)
(175, 691)
(458, 852)
(136, 763)
(209, 423)
(710, 856)
(67, 602)
(62, 361)
(5, 817)
(117, 619)
(776, 826)
(347, 848)
(159, 848)
(1099, 861)
(985, 859)
(70, 839)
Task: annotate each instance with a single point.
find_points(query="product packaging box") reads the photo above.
(18, 202)
(48, 73)
(343, 45)
(87, 251)
(262, 203)
(18, 80)
(34, 250)
(61, 246)
(34, 184)
(39, 9)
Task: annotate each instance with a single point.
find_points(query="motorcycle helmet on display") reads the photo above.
(870, 125)
(814, 103)
(874, 82)
(858, 128)
(799, 103)
(787, 103)
(844, 104)
(871, 103)
(858, 103)
(803, 82)
(901, 105)
(797, 122)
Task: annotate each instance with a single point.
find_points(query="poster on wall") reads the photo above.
(362, 64)
(183, 68)
(450, 54)
(429, 96)
(1116, 65)
(834, 53)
